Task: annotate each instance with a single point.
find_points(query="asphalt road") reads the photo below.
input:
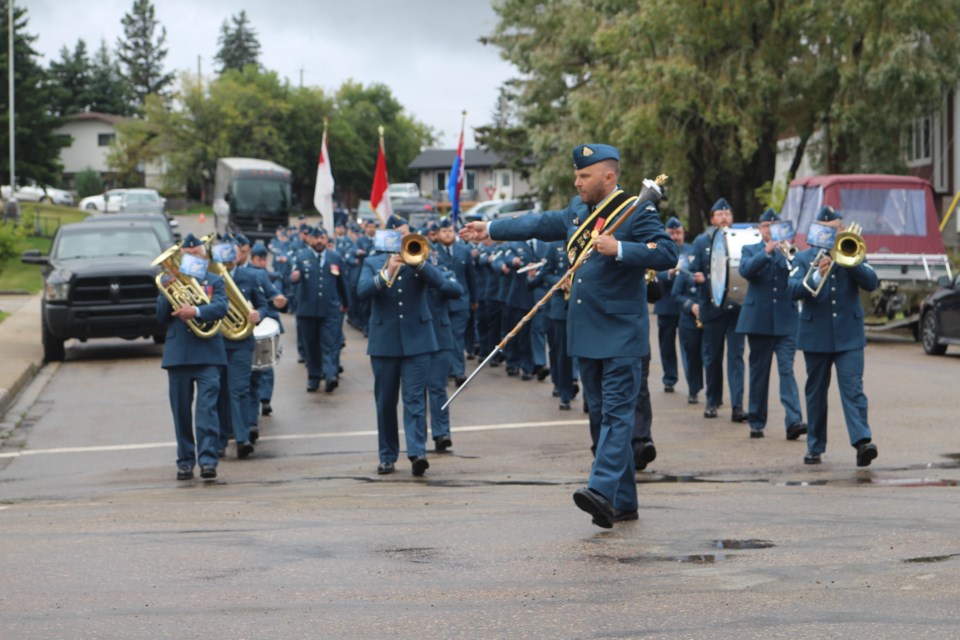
(736, 537)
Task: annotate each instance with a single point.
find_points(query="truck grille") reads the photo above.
(113, 290)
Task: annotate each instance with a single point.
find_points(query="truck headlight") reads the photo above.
(56, 291)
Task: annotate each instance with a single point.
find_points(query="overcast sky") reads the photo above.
(426, 51)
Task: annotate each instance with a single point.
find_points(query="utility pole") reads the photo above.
(13, 154)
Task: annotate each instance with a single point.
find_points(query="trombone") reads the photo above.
(849, 250)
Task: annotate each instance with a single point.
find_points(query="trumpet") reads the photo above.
(849, 250)
(788, 250)
(414, 251)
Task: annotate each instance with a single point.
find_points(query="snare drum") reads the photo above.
(266, 350)
(727, 286)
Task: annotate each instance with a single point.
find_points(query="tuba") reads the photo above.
(849, 250)
(236, 324)
(180, 289)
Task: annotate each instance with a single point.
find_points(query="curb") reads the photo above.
(9, 396)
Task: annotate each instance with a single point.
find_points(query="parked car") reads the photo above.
(134, 201)
(403, 207)
(97, 202)
(940, 317)
(163, 224)
(403, 190)
(98, 282)
(33, 192)
(493, 209)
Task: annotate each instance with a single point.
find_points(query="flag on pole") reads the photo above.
(323, 193)
(455, 182)
(379, 200)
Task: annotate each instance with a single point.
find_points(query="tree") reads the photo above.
(88, 183)
(142, 54)
(505, 135)
(69, 80)
(107, 88)
(37, 147)
(239, 46)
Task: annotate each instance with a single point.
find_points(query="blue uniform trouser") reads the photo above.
(239, 361)
(265, 387)
(489, 326)
(538, 340)
(849, 366)
(182, 379)
(762, 350)
(518, 349)
(715, 333)
(472, 336)
(437, 393)
(561, 364)
(458, 327)
(390, 375)
(322, 338)
(667, 337)
(692, 341)
(643, 420)
(610, 387)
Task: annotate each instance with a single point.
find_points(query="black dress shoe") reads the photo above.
(312, 386)
(586, 409)
(385, 467)
(796, 430)
(542, 374)
(208, 472)
(494, 364)
(693, 399)
(254, 435)
(576, 389)
(668, 388)
(331, 385)
(756, 433)
(738, 415)
(244, 449)
(710, 411)
(512, 372)
(526, 376)
(185, 473)
(564, 406)
(265, 409)
(459, 380)
(555, 393)
(596, 505)
(419, 465)
(866, 452)
(442, 443)
(620, 516)
(300, 361)
(644, 455)
(811, 458)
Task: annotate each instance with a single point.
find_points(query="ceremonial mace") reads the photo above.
(652, 191)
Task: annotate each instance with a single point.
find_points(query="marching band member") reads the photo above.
(456, 257)
(667, 309)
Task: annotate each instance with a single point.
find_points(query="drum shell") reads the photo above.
(727, 286)
(266, 349)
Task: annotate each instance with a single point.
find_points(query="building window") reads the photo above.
(441, 181)
(917, 142)
(470, 181)
(504, 178)
(105, 139)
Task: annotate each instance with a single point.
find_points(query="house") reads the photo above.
(90, 135)
(485, 176)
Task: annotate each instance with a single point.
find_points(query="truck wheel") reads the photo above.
(159, 338)
(53, 349)
(929, 333)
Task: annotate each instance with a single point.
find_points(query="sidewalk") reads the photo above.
(21, 349)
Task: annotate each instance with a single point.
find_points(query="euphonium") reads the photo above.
(849, 250)
(236, 324)
(180, 289)
(414, 249)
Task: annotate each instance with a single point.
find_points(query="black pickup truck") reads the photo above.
(98, 282)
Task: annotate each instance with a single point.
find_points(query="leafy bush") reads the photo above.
(88, 183)
(12, 237)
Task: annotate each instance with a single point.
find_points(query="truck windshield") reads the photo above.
(886, 212)
(97, 243)
(252, 195)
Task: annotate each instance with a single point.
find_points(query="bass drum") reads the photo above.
(266, 349)
(727, 286)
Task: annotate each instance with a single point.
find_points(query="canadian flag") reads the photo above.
(379, 201)
(323, 192)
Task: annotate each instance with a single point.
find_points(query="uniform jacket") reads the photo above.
(321, 290)
(182, 347)
(687, 293)
(702, 248)
(768, 308)
(556, 266)
(607, 316)
(250, 285)
(518, 293)
(400, 320)
(457, 258)
(668, 304)
(439, 302)
(833, 321)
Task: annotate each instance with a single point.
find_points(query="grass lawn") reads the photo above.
(46, 218)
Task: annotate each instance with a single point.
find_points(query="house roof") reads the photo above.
(88, 116)
(443, 159)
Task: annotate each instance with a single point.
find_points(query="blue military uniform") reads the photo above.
(439, 301)
(456, 257)
(719, 327)
(686, 291)
(667, 309)
(262, 380)
(401, 340)
(831, 334)
(561, 364)
(769, 320)
(489, 311)
(607, 323)
(517, 301)
(194, 363)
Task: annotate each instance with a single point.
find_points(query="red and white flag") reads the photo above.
(323, 193)
(379, 200)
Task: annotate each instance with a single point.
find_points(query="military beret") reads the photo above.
(191, 241)
(674, 223)
(241, 240)
(317, 232)
(304, 227)
(585, 155)
(769, 216)
(828, 214)
(353, 226)
(280, 227)
(395, 222)
(259, 250)
(721, 205)
(446, 222)
(433, 226)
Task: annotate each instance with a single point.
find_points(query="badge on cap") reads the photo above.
(587, 151)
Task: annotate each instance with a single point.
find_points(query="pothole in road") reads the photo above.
(695, 558)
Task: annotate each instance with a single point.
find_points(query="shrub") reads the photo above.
(88, 183)
(12, 237)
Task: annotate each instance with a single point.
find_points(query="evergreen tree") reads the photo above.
(37, 147)
(239, 46)
(141, 52)
(107, 87)
(69, 80)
